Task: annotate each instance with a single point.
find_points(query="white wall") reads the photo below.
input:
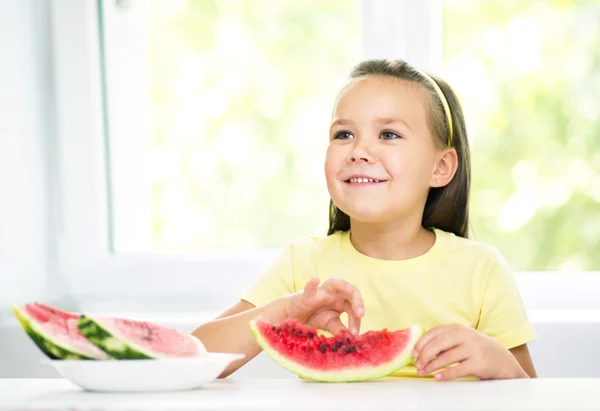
(24, 124)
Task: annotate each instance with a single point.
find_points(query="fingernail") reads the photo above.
(421, 372)
(418, 364)
(354, 330)
(360, 311)
(438, 376)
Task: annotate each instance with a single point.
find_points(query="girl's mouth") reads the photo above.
(364, 181)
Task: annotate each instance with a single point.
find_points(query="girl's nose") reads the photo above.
(360, 153)
(365, 159)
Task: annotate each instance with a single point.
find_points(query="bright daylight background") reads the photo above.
(239, 99)
(156, 155)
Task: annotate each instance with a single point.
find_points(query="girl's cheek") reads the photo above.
(331, 174)
(394, 163)
(334, 160)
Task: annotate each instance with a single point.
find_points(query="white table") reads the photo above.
(292, 394)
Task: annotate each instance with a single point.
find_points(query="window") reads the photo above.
(218, 118)
(178, 122)
(528, 76)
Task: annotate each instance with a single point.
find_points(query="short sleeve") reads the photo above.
(277, 281)
(503, 315)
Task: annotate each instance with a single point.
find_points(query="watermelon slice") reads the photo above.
(126, 339)
(339, 358)
(55, 332)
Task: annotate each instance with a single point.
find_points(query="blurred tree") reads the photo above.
(528, 74)
(242, 93)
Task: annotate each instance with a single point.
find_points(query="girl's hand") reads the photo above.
(475, 353)
(320, 307)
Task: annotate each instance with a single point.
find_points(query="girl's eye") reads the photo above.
(389, 135)
(343, 135)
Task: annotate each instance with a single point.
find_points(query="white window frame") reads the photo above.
(205, 280)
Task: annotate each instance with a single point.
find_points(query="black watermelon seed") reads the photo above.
(310, 335)
(279, 331)
(309, 350)
(323, 347)
(300, 333)
(336, 346)
(273, 329)
(350, 350)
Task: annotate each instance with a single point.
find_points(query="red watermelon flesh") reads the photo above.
(55, 332)
(132, 339)
(343, 357)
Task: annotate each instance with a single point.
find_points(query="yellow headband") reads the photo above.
(444, 103)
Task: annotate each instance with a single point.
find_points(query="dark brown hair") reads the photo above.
(446, 208)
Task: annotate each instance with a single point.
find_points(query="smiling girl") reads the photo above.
(397, 250)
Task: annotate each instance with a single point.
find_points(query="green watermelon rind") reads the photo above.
(114, 344)
(53, 350)
(110, 341)
(351, 375)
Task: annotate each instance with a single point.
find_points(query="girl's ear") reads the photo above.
(444, 168)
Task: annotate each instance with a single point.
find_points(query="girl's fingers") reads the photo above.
(445, 359)
(428, 336)
(357, 302)
(310, 290)
(334, 326)
(438, 344)
(348, 292)
(353, 320)
(338, 295)
(334, 285)
(461, 370)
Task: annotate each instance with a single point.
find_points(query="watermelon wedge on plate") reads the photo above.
(140, 356)
(68, 336)
(126, 339)
(55, 332)
(339, 358)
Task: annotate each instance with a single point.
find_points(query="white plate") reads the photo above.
(144, 375)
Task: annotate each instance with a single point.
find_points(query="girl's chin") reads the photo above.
(369, 217)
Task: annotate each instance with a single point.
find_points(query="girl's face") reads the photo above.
(381, 158)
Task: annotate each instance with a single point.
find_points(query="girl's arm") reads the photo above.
(521, 354)
(230, 332)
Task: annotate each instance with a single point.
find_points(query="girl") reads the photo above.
(396, 253)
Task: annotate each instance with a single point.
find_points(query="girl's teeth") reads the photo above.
(363, 180)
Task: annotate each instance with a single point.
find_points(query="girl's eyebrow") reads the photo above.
(379, 120)
(390, 120)
(340, 122)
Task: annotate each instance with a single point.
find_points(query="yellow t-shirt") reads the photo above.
(456, 281)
